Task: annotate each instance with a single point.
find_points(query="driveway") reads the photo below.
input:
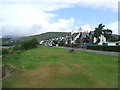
(95, 51)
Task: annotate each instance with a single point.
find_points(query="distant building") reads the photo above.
(82, 37)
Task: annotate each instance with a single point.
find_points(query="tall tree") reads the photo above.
(98, 32)
(107, 33)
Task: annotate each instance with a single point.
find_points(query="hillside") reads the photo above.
(43, 36)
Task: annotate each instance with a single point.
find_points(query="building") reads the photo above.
(102, 39)
(80, 37)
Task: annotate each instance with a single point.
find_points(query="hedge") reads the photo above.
(29, 44)
(104, 48)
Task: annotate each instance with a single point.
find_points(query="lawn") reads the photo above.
(50, 67)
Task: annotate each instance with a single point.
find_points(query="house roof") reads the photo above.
(91, 32)
(84, 34)
(73, 35)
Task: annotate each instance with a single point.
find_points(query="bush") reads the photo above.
(104, 48)
(29, 44)
(7, 44)
(5, 51)
(61, 43)
(16, 48)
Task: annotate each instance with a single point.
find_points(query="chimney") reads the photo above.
(72, 32)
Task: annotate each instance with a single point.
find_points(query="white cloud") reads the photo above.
(62, 25)
(86, 28)
(57, 4)
(27, 17)
(114, 27)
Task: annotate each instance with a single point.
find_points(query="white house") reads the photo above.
(84, 37)
(41, 42)
(113, 43)
(102, 39)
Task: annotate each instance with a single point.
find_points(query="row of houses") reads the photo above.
(79, 37)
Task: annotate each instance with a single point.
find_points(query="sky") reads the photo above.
(31, 17)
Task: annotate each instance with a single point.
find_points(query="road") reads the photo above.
(95, 51)
(3, 47)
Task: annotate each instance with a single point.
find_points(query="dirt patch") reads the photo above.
(7, 69)
(44, 76)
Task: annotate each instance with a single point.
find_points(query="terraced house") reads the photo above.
(80, 37)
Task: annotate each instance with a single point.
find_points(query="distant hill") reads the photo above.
(12, 36)
(43, 36)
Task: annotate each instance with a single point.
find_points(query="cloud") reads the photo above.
(57, 4)
(62, 25)
(114, 27)
(28, 17)
(86, 28)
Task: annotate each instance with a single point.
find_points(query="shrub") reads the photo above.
(5, 51)
(61, 43)
(0, 51)
(16, 48)
(104, 48)
(29, 44)
(7, 44)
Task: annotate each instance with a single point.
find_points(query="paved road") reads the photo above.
(3, 47)
(95, 51)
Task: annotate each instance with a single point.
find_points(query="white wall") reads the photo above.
(112, 43)
(94, 39)
(102, 40)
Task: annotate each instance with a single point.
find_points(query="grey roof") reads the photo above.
(91, 32)
(73, 35)
(84, 34)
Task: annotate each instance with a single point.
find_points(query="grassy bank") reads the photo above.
(50, 67)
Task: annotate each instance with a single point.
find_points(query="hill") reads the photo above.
(43, 36)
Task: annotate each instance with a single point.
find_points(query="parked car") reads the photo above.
(50, 45)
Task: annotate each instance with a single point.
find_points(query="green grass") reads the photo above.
(50, 67)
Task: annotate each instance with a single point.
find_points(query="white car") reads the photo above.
(50, 45)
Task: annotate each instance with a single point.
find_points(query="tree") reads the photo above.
(78, 41)
(29, 44)
(114, 39)
(98, 32)
(107, 33)
(55, 42)
(61, 43)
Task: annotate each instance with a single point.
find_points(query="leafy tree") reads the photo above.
(98, 32)
(77, 41)
(107, 33)
(113, 39)
(29, 44)
(55, 42)
(61, 43)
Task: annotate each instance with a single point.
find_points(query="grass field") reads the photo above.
(50, 67)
